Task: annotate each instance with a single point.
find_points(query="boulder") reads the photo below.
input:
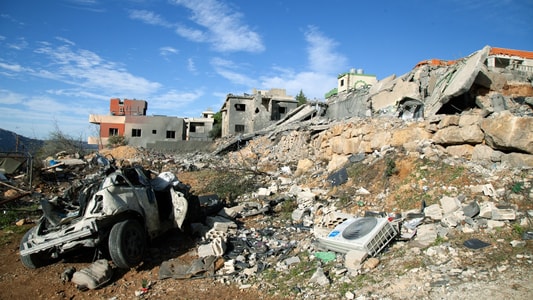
(304, 165)
(460, 150)
(508, 132)
(455, 135)
(518, 160)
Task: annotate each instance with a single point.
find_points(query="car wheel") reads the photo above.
(34, 260)
(127, 242)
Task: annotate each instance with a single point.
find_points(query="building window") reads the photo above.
(342, 82)
(135, 132)
(282, 110)
(239, 128)
(240, 107)
(154, 131)
(113, 131)
(196, 127)
(171, 134)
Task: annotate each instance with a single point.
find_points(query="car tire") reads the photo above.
(127, 243)
(35, 260)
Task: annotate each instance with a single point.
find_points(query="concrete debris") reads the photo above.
(304, 201)
(319, 277)
(94, 276)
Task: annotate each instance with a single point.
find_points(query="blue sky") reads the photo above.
(63, 60)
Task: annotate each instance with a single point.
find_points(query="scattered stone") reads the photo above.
(292, 260)
(371, 263)
(425, 235)
(434, 212)
(500, 214)
(471, 209)
(354, 258)
(319, 277)
(449, 204)
(516, 243)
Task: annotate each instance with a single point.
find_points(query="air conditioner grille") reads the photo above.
(359, 228)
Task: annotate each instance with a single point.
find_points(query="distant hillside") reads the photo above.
(12, 142)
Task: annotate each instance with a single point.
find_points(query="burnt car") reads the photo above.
(117, 211)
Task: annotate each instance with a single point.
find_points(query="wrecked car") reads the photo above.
(117, 212)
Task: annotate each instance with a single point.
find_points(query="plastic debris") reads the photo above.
(475, 244)
(326, 256)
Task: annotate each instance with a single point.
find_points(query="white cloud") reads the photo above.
(228, 70)
(149, 17)
(223, 27)
(65, 40)
(8, 97)
(11, 67)
(192, 34)
(321, 54)
(85, 69)
(78, 93)
(173, 100)
(47, 104)
(166, 51)
(19, 44)
(191, 66)
(323, 63)
(314, 85)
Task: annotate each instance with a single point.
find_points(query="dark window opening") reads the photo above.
(342, 82)
(113, 131)
(135, 132)
(501, 62)
(239, 128)
(457, 105)
(240, 107)
(154, 131)
(171, 134)
(197, 127)
(282, 110)
(265, 102)
(257, 110)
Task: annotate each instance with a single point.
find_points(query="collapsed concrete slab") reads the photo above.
(456, 81)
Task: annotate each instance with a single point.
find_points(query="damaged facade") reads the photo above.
(438, 87)
(243, 114)
(128, 118)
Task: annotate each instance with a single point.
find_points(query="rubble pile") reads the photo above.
(450, 242)
(368, 207)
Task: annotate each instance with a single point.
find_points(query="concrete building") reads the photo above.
(127, 107)
(355, 79)
(197, 129)
(128, 118)
(518, 60)
(243, 114)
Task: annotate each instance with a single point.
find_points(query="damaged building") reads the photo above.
(128, 118)
(437, 87)
(243, 114)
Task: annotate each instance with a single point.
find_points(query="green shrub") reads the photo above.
(116, 141)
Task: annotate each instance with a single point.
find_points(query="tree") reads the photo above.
(301, 98)
(216, 132)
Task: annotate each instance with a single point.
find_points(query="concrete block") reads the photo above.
(449, 204)
(503, 214)
(354, 258)
(485, 210)
(434, 212)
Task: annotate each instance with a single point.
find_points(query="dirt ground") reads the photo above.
(18, 282)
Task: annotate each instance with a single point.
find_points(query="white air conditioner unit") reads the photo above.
(367, 234)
